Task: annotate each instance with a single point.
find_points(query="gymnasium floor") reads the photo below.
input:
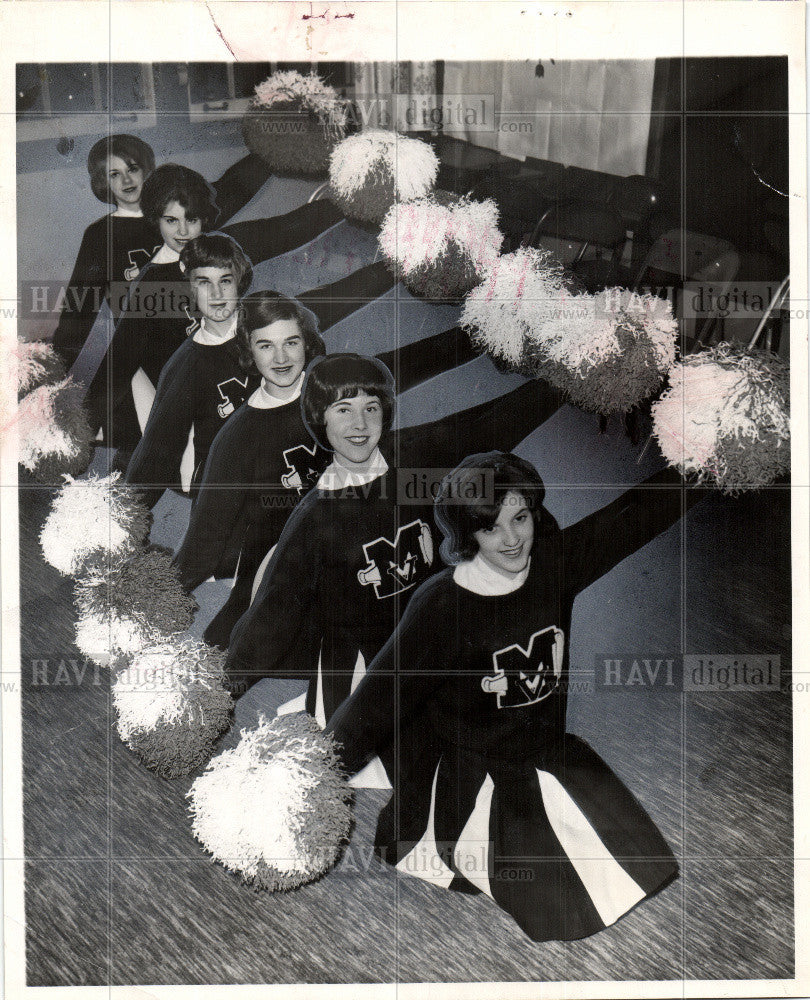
(119, 892)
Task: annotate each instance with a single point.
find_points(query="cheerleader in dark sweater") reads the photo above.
(114, 247)
(203, 382)
(470, 691)
(265, 460)
(156, 317)
(358, 545)
(156, 311)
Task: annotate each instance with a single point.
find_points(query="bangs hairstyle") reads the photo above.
(344, 376)
(129, 148)
(218, 250)
(260, 309)
(171, 182)
(460, 510)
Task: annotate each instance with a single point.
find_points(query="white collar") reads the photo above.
(127, 213)
(338, 477)
(166, 256)
(264, 400)
(478, 576)
(211, 339)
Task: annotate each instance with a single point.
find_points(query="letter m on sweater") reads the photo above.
(398, 565)
(527, 675)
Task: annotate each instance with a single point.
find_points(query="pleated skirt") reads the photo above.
(558, 842)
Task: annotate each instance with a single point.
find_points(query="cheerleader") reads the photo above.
(115, 246)
(203, 382)
(357, 546)
(157, 317)
(264, 460)
(472, 689)
(156, 314)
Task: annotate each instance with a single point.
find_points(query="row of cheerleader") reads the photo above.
(433, 631)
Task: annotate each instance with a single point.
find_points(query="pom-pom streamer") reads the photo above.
(171, 705)
(94, 523)
(276, 809)
(520, 293)
(725, 418)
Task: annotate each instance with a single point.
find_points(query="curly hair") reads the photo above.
(471, 496)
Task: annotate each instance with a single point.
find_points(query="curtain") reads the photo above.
(592, 114)
(385, 90)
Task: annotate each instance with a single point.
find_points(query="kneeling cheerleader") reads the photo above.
(469, 697)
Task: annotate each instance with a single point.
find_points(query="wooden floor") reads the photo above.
(119, 892)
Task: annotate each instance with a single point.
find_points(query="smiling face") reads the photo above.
(506, 546)
(125, 180)
(216, 293)
(176, 228)
(279, 353)
(353, 428)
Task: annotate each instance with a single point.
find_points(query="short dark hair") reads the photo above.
(343, 376)
(132, 150)
(260, 309)
(459, 521)
(218, 250)
(172, 182)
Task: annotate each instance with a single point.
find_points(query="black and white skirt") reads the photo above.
(559, 843)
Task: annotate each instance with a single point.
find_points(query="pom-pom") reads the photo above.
(521, 293)
(54, 434)
(172, 706)
(608, 351)
(293, 123)
(94, 523)
(441, 245)
(726, 418)
(36, 364)
(371, 171)
(134, 604)
(277, 808)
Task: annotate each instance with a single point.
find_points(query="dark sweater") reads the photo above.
(343, 570)
(445, 666)
(199, 387)
(113, 249)
(331, 538)
(259, 466)
(155, 322)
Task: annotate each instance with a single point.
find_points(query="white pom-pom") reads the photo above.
(53, 433)
(441, 244)
(371, 171)
(521, 292)
(725, 418)
(310, 91)
(171, 705)
(35, 364)
(275, 809)
(93, 523)
(106, 638)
